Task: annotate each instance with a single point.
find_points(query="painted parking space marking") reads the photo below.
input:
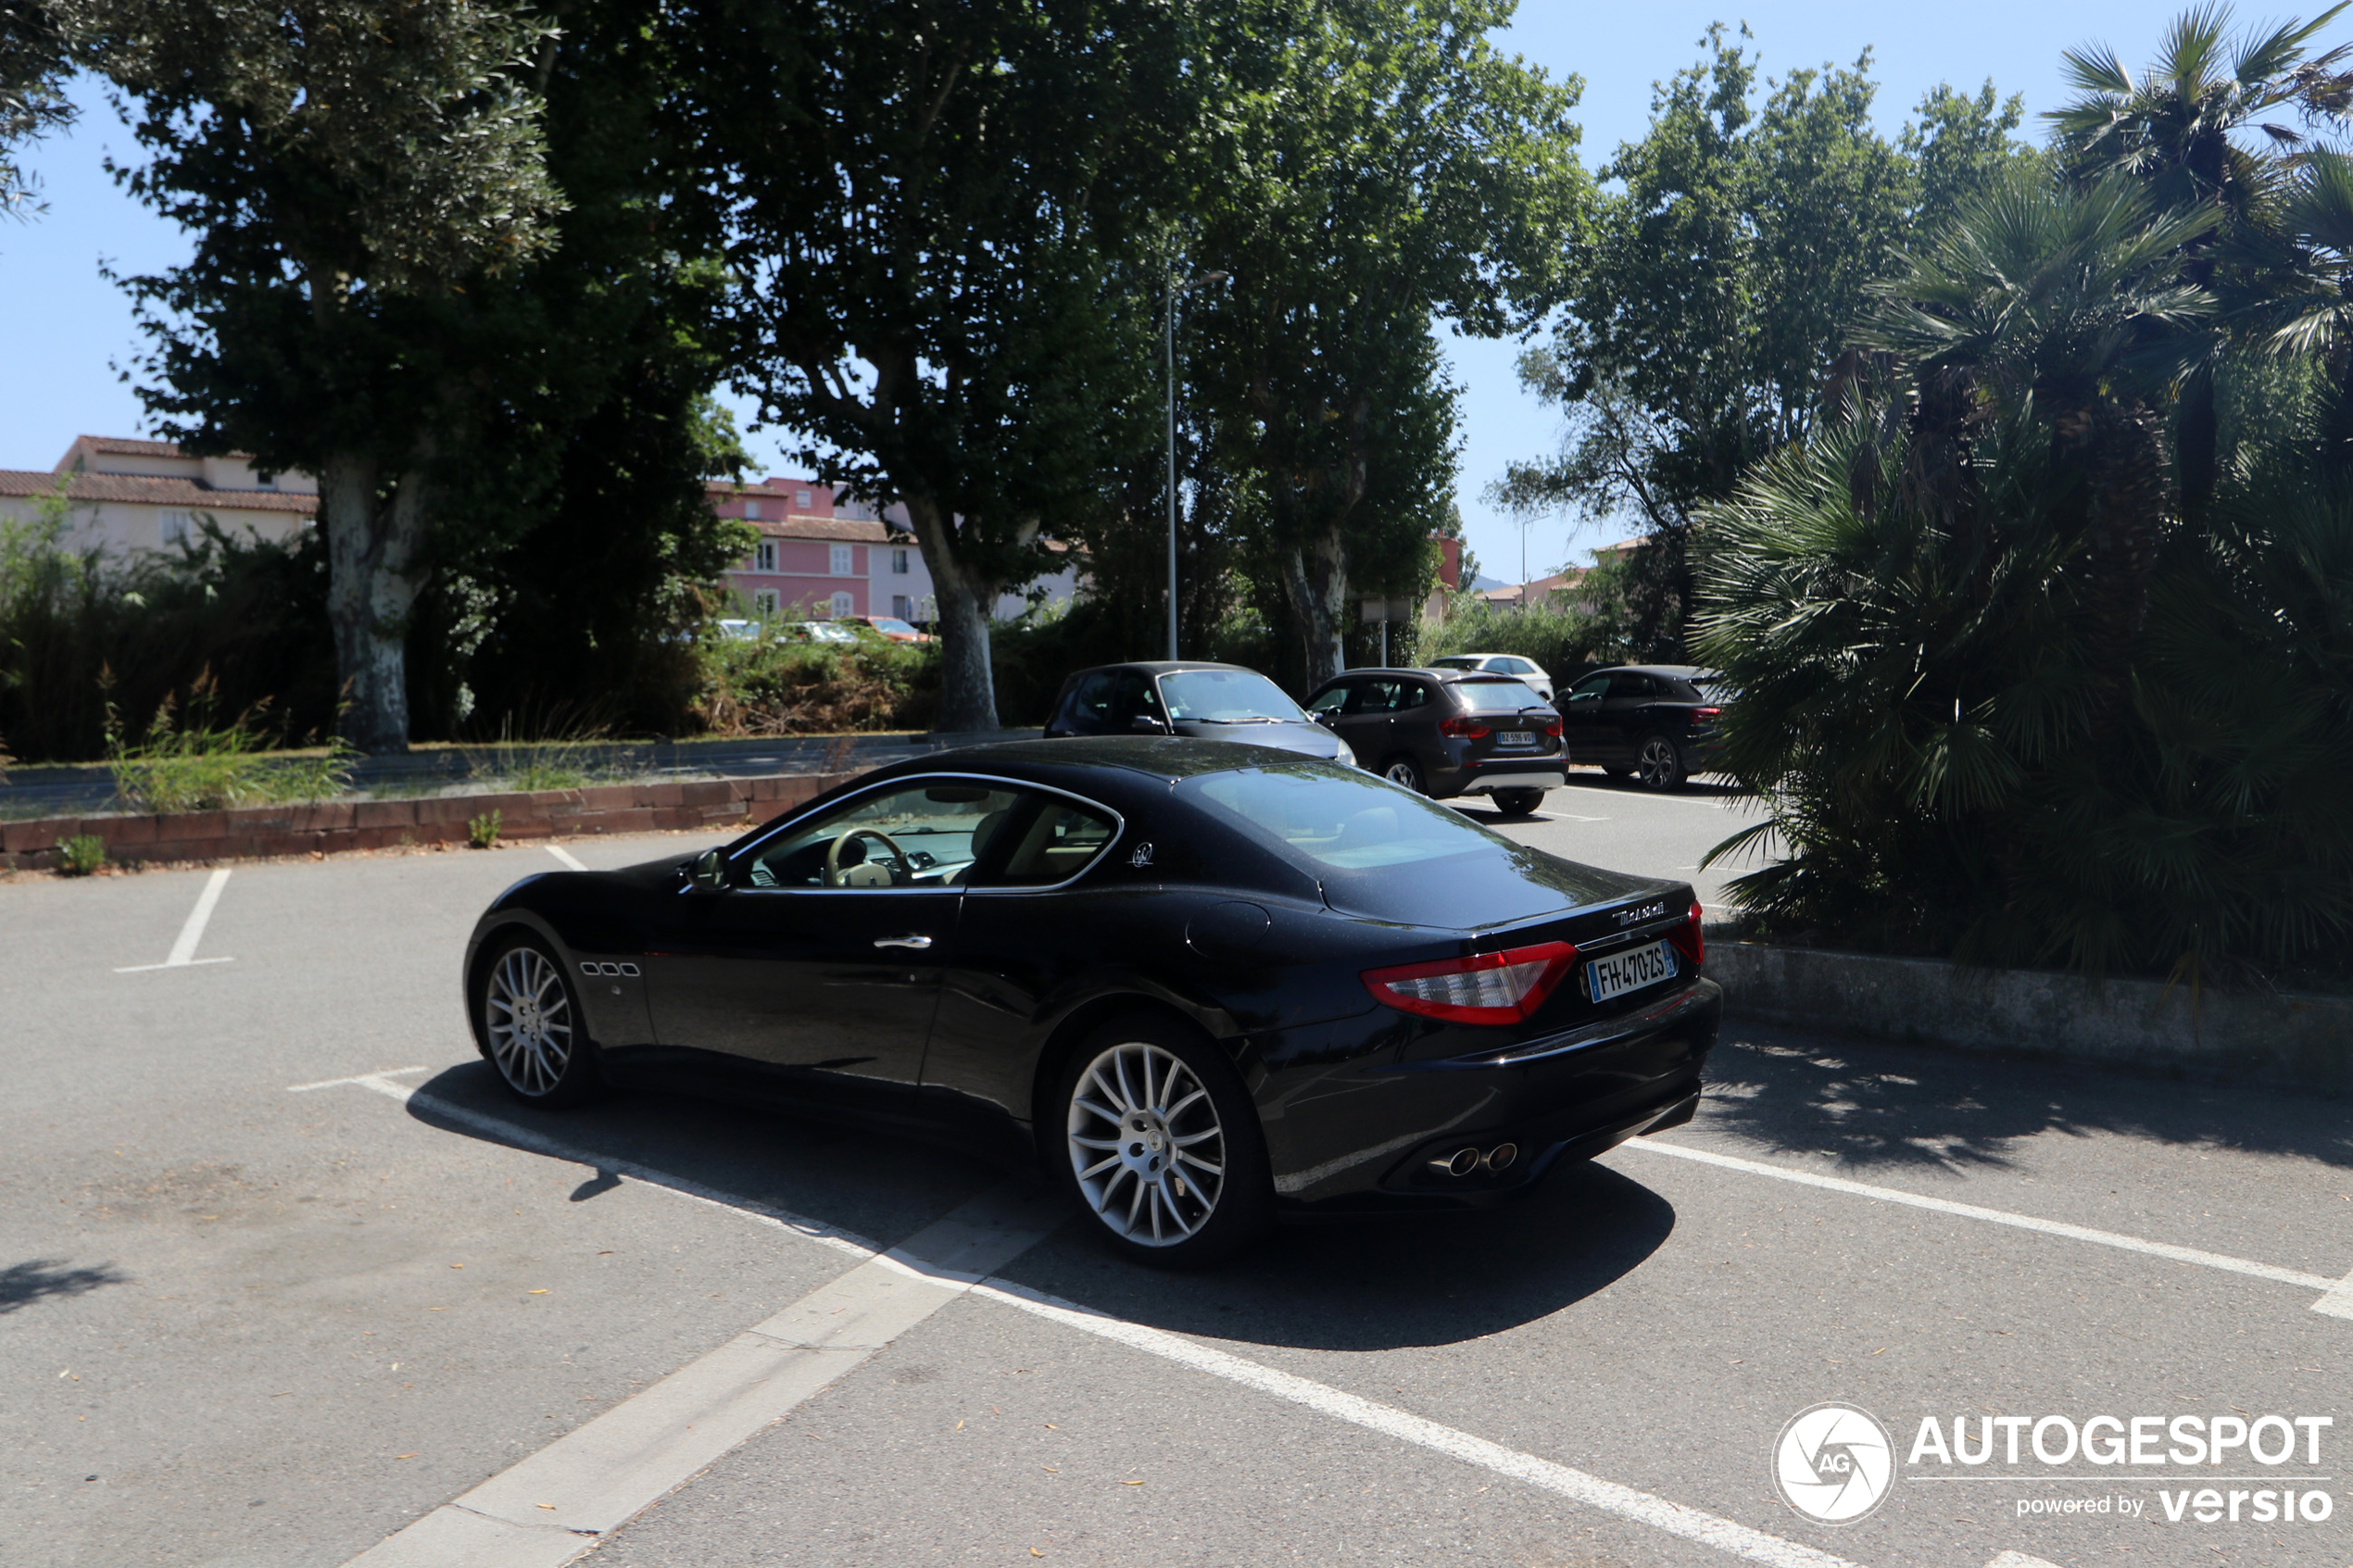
(2329, 1287)
(748, 1383)
(184, 951)
(2338, 1301)
(1591, 1492)
(571, 862)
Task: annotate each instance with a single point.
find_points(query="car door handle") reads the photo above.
(917, 943)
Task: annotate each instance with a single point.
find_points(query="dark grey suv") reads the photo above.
(1448, 731)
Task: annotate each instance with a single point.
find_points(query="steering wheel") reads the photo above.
(834, 874)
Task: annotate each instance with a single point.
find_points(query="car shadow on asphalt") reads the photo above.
(1873, 1104)
(38, 1279)
(1362, 1284)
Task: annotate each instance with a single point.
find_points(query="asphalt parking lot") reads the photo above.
(283, 1273)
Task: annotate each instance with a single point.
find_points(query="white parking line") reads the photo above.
(184, 951)
(2001, 1217)
(560, 853)
(2338, 1302)
(600, 1476)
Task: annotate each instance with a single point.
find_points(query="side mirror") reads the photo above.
(1328, 717)
(706, 876)
(1145, 725)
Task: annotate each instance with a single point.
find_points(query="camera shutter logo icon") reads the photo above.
(1834, 1464)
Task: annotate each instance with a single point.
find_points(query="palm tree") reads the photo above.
(2173, 127)
(2061, 305)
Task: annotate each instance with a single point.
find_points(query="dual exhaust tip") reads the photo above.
(1465, 1160)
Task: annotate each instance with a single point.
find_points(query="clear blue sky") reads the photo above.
(70, 331)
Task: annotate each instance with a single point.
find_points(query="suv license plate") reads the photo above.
(1515, 737)
(1629, 970)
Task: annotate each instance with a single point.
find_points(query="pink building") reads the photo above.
(809, 564)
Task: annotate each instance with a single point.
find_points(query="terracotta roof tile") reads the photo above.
(152, 491)
(838, 529)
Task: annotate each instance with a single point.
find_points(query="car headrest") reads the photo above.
(985, 830)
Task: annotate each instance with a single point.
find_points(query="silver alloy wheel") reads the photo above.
(1657, 764)
(1146, 1145)
(1403, 771)
(528, 1014)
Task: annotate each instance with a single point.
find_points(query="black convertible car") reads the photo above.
(1202, 984)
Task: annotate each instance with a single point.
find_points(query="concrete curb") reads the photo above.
(332, 827)
(2277, 1040)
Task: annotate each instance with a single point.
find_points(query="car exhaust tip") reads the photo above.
(1500, 1158)
(1462, 1162)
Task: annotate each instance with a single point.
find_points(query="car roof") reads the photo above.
(1165, 667)
(1679, 672)
(1158, 757)
(1451, 677)
(1496, 654)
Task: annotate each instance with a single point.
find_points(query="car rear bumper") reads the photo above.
(1517, 775)
(1363, 1140)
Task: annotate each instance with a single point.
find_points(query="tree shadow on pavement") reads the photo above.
(1361, 1285)
(1871, 1104)
(36, 1279)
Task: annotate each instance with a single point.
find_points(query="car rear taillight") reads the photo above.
(1503, 987)
(1687, 938)
(1702, 715)
(1550, 725)
(1462, 728)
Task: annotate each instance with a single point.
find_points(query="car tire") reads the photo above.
(1140, 1101)
(1403, 769)
(1518, 802)
(1658, 763)
(528, 1026)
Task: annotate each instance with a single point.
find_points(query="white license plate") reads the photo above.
(1513, 737)
(1629, 970)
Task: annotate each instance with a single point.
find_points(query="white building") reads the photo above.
(127, 496)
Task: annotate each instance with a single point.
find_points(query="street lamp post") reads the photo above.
(1176, 288)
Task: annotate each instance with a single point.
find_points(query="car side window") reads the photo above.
(1054, 840)
(1592, 689)
(1330, 701)
(1374, 697)
(1411, 694)
(1629, 685)
(1517, 667)
(1090, 704)
(925, 834)
(1132, 698)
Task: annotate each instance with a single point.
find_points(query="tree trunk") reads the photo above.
(1316, 579)
(967, 682)
(375, 566)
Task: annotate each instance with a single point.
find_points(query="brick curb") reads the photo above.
(264, 831)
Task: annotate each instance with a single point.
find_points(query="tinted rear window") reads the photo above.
(1676, 690)
(1338, 818)
(1497, 697)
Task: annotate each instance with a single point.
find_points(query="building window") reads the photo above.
(764, 555)
(800, 499)
(752, 510)
(763, 601)
(899, 563)
(844, 607)
(902, 606)
(175, 529)
(841, 561)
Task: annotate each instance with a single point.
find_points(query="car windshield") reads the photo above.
(889, 623)
(1227, 697)
(1498, 697)
(1338, 818)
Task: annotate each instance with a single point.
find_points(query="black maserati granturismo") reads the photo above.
(1203, 984)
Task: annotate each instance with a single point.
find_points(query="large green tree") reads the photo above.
(346, 169)
(935, 216)
(1376, 164)
(33, 68)
(1711, 306)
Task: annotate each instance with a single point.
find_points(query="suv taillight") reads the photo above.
(1551, 726)
(1702, 715)
(1462, 728)
(1503, 987)
(1688, 939)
